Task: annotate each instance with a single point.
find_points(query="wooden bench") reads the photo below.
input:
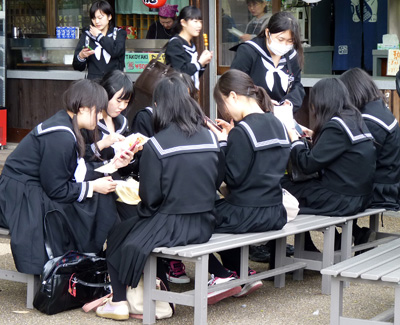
(32, 281)
(381, 266)
(219, 242)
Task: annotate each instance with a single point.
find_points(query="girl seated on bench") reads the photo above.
(46, 183)
(179, 171)
(256, 151)
(343, 152)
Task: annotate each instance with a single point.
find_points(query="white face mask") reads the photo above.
(278, 48)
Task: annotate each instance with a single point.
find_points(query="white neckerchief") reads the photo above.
(269, 76)
(80, 171)
(97, 53)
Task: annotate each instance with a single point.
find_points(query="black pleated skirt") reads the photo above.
(131, 242)
(386, 196)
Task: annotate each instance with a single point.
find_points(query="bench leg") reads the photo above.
(328, 257)
(396, 320)
(149, 282)
(336, 301)
(32, 283)
(280, 255)
(298, 253)
(201, 290)
(374, 222)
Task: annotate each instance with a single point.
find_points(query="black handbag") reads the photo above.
(294, 171)
(71, 280)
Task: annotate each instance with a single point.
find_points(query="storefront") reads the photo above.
(39, 65)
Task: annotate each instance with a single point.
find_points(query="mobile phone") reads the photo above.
(87, 47)
(299, 129)
(213, 123)
(132, 147)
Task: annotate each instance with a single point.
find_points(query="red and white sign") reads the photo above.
(154, 3)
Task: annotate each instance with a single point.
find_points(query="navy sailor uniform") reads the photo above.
(179, 176)
(386, 132)
(345, 156)
(43, 184)
(281, 82)
(256, 154)
(109, 53)
(183, 57)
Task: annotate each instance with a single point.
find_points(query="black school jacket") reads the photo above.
(256, 153)
(386, 132)
(113, 44)
(282, 82)
(179, 174)
(344, 154)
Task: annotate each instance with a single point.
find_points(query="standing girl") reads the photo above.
(181, 52)
(274, 60)
(45, 184)
(385, 129)
(254, 202)
(258, 9)
(176, 207)
(101, 47)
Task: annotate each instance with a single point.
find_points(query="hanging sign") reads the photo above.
(154, 3)
(393, 62)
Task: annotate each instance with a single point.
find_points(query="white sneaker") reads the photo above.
(249, 288)
(214, 297)
(114, 310)
(176, 272)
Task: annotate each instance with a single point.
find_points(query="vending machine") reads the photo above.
(3, 110)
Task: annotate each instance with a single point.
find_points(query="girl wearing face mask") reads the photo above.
(274, 60)
(101, 47)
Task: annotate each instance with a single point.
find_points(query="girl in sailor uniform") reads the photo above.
(181, 52)
(179, 174)
(256, 152)
(49, 195)
(101, 48)
(274, 60)
(343, 153)
(112, 127)
(385, 129)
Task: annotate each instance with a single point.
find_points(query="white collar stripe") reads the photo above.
(54, 128)
(149, 109)
(266, 142)
(83, 191)
(353, 137)
(380, 122)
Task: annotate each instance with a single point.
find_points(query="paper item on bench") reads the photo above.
(235, 31)
(128, 191)
(129, 141)
(285, 115)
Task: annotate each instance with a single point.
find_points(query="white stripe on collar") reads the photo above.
(150, 109)
(266, 142)
(353, 137)
(54, 128)
(195, 147)
(380, 122)
(104, 127)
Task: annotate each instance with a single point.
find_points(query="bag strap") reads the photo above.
(96, 303)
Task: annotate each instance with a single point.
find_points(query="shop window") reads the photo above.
(139, 23)
(29, 16)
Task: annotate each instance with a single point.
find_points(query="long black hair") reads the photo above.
(329, 98)
(283, 21)
(361, 87)
(242, 84)
(115, 80)
(175, 105)
(104, 7)
(187, 13)
(84, 93)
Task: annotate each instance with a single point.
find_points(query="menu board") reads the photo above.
(393, 62)
(136, 62)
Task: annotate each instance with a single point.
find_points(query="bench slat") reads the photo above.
(371, 256)
(364, 213)
(382, 270)
(392, 276)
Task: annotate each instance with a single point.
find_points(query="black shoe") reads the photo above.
(289, 250)
(365, 235)
(259, 254)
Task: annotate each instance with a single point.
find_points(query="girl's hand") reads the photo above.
(94, 31)
(309, 133)
(205, 57)
(246, 37)
(123, 158)
(104, 185)
(109, 140)
(225, 125)
(85, 52)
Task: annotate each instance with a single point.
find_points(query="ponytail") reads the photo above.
(79, 138)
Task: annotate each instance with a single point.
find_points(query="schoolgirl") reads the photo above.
(112, 127)
(181, 52)
(254, 201)
(274, 60)
(258, 9)
(176, 207)
(49, 195)
(101, 47)
(343, 152)
(385, 129)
